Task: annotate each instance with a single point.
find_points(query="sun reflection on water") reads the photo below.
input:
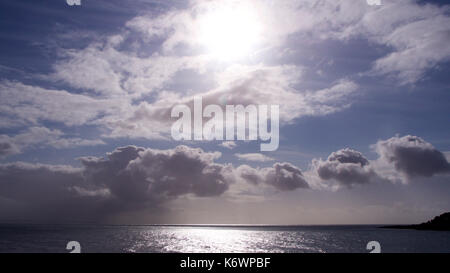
(221, 240)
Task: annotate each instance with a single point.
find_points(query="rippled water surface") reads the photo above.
(316, 239)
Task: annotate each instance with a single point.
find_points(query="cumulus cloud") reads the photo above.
(133, 178)
(400, 159)
(138, 174)
(347, 167)
(130, 178)
(257, 157)
(411, 156)
(282, 176)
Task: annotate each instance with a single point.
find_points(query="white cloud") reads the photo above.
(30, 105)
(229, 144)
(257, 157)
(102, 70)
(238, 85)
(41, 137)
(416, 33)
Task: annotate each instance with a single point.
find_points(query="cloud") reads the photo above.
(400, 159)
(285, 177)
(30, 105)
(111, 77)
(346, 167)
(131, 179)
(102, 70)
(41, 137)
(25, 105)
(281, 176)
(447, 155)
(254, 157)
(239, 85)
(138, 174)
(419, 39)
(228, 144)
(113, 73)
(7, 146)
(415, 33)
(128, 178)
(258, 84)
(411, 156)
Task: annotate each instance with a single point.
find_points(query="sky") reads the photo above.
(86, 93)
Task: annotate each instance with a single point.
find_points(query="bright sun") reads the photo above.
(230, 33)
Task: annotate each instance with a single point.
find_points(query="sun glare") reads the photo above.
(230, 33)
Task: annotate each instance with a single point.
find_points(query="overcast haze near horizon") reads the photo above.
(86, 93)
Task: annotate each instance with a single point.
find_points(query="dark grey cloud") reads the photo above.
(412, 156)
(131, 179)
(347, 167)
(285, 177)
(282, 176)
(128, 179)
(141, 175)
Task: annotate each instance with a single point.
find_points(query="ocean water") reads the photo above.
(213, 239)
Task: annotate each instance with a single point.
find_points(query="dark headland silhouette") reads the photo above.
(441, 222)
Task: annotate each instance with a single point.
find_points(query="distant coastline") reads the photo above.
(439, 223)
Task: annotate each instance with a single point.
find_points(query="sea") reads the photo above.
(24, 238)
